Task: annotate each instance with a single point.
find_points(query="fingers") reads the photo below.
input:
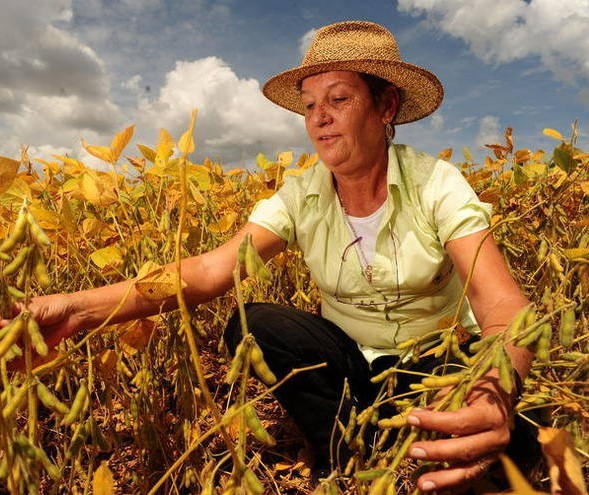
(461, 450)
(465, 421)
(455, 477)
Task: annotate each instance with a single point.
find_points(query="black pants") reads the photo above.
(289, 339)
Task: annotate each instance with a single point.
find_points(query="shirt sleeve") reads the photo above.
(457, 211)
(272, 214)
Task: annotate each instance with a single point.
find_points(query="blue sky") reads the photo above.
(73, 69)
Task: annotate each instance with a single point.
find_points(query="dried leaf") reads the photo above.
(103, 480)
(566, 474)
(445, 154)
(224, 224)
(8, 171)
(158, 284)
(519, 484)
(135, 335)
(106, 362)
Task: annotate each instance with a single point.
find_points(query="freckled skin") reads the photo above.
(343, 123)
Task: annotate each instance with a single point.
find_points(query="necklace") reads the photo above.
(368, 269)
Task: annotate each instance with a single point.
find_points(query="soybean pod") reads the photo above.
(260, 366)
(255, 425)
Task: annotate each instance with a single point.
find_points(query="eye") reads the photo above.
(340, 99)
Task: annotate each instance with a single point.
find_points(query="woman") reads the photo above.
(389, 235)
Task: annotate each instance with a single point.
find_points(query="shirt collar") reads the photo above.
(321, 183)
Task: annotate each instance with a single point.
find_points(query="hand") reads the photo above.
(478, 432)
(56, 317)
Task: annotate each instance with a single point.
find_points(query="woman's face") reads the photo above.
(342, 120)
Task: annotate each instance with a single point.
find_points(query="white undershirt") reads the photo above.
(367, 228)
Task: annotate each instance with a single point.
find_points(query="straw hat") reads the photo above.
(362, 47)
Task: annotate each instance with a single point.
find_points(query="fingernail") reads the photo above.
(413, 420)
(428, 486)
(418, 453)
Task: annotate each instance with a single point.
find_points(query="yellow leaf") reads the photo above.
(8, 171)
(467, 154)
(106, 362)
(553, 134)
(120, 141)
(165, 147)
(155, 283)
(108, 259)
(103, 481)
(224, 224)
(305, 160)
(135, 335)
(263, 162)
(102, 152)
(585, 187)
(285, 158)
(200, 174)
(147, 152)
(186, 143)
(519, 484)
(566, 474)
(534, 169)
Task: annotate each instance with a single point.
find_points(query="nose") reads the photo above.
(321, 116)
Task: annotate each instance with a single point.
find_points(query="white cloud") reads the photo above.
(305, 41)
(437, 121)
(488, 131)
(52, 87)
(234, 118)
(501, 31)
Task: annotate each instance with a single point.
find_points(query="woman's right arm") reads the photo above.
(207, 276)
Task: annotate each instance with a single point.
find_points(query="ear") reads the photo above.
(390, 103)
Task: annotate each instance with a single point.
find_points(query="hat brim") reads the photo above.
(421, 91)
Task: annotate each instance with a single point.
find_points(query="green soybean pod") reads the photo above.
(51, 401)
(18, 232)
(236, 363)
(17, 262)
(37, 338)
(37, 233)
(260, 366)
(443, 380)
(567, 328)
(252, 482)
(255, 425)
(16, 294)
(530, 336)
(78, 404)
(78, 439)
(40, 271)
(543, 343)
(13, 331)
(15, 402)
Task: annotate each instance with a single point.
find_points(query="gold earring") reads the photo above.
(389, 132)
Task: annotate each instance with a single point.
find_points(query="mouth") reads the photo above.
(327, 138)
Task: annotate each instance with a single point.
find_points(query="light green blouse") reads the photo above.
(413, 284)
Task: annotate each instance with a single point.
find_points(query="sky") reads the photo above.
(87, 69)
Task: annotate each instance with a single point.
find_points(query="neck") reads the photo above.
(362, 194)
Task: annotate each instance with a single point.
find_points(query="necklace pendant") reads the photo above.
(368, 273)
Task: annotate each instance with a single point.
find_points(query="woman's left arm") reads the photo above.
(479, 431)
